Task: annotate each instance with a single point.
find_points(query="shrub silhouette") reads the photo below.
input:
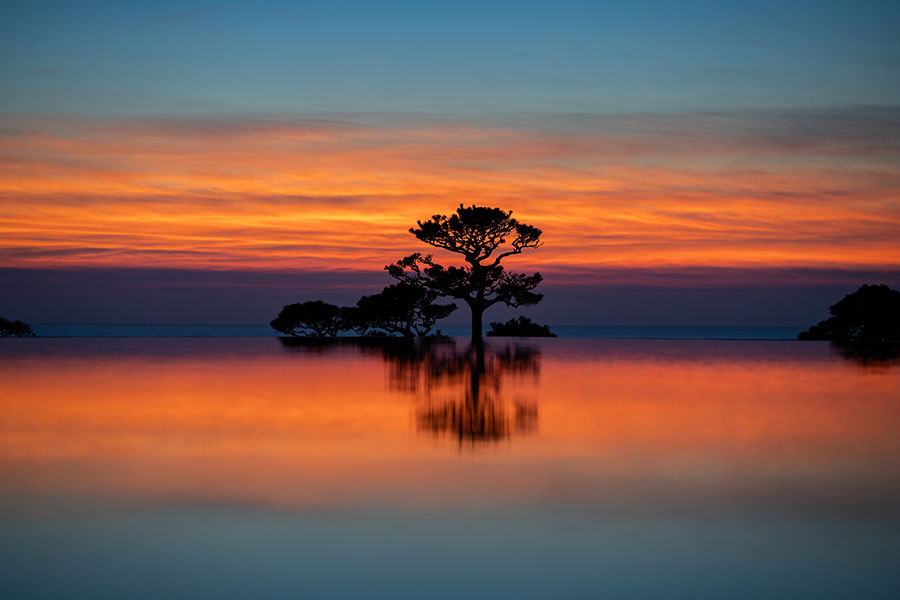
(309, 319)
(870, 314)
(15, 329)
(398, 309)
(521, 327)
(478, 234)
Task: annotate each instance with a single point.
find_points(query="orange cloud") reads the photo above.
(317, 194)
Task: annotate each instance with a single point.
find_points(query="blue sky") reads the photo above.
(469, 59)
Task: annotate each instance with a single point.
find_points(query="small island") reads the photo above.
(484, 237)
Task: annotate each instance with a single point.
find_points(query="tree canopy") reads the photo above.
(314, 318)
(397, 309)
(477, 232)
(484, 237)
(400, 308)
(870, 314)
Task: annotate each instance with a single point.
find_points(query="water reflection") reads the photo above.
(473, 393)
(462, 393)
(876, 356)
(156, 468)
(786, 426)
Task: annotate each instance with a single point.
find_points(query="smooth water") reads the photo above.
(566, 331)
(234, 468)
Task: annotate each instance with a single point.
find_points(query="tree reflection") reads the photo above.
(470, 394)
(478, 393)
(869, 356)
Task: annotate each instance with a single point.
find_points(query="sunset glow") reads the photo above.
(340, 195)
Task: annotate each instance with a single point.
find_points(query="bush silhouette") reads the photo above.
(309, 319)
(14, 329)
(521, 327)
(870, 314)
(400, 308)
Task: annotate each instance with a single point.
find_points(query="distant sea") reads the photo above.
(564, 331)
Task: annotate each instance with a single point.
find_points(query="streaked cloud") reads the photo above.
(744, 189)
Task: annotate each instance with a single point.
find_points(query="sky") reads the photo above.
(690, 163)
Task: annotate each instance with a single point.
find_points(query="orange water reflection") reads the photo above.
(459, 389)
(253, 422)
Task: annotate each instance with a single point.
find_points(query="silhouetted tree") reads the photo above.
(314, 318)
(15, 329)
(402, 308)
(870, 314)
(479, 234)
(521, 327)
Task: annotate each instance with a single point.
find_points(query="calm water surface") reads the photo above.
(566, 331)
(233, 468)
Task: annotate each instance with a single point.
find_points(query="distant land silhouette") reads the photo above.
(15, 328)
(871, 314)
